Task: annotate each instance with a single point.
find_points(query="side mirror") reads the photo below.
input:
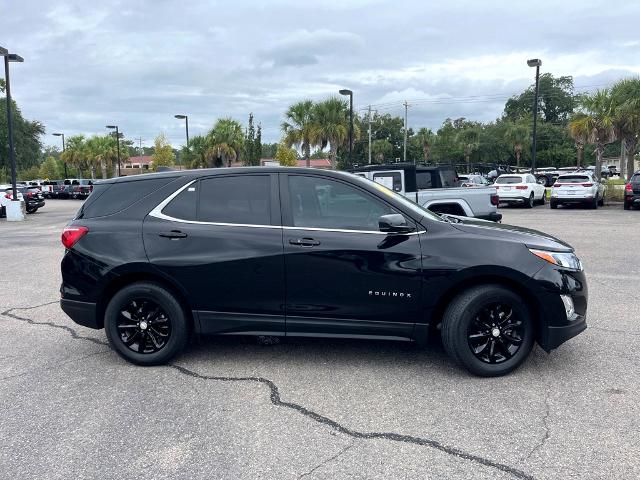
(394, 223)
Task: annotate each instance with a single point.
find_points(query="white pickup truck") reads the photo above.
(435, 188)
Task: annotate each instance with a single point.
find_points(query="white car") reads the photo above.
(520, 189)
(577, 188)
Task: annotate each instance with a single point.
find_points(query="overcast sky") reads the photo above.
(137, 63)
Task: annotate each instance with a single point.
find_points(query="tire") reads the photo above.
(470, 311)
(31, 210)
(553, 204)
(169, 327)
(627, 206)
(543, 200)
(593, 204)
(529, 203)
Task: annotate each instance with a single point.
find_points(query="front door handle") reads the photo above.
(304, 242)
(173, 234)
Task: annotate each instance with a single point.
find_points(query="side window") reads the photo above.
(318, 202)
(183, 206)
(391, 180)
(243, 199)
(530, 179)
(448, 178)
(424, 180)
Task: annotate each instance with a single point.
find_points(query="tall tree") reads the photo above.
(331, 125)
(556, 100)
(517, 134)
(299, 128)
(257, 146)
(626, 97)
(76, 155)
(250, 144)
(596, 122)
(425, 138)
(162, 153)
(226, 141)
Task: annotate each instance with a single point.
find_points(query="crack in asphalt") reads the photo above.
(328, 460)
(545, 417)
(276, 400)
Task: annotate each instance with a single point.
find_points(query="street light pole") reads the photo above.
(10, 57)
(350, 93)
(117, 144)
(369, 134)
(63, 149)
(536, 62)
(186, 126)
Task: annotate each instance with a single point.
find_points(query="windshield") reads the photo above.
(573, 179)
(511, 179)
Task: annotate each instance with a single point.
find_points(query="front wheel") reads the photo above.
(145, 324)
(488, 330)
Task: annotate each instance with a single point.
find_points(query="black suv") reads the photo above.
(303, 252)
(632, 192)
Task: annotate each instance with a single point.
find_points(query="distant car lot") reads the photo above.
(230, 408)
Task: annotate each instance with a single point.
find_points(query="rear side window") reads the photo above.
(635, 178)
(424, 181)
(243, 199)
(110, 198)
(449, 178)
(184, 205)
(391, 180)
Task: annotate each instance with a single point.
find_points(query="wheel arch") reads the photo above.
(511, 281)
(119, 281)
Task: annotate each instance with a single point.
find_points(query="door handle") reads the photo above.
(173, 234)
(304, 242)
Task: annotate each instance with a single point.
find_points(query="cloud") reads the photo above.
(138, 62)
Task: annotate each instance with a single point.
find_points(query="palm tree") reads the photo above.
(517, 134)
(76, 153)
(626, 97)
(381, 147)
(469, 139)
(580, 138)
(299, 128)
(596, 123)
(426, 139)
(226, 140)
(330, 126)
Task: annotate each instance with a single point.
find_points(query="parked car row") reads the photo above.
(32, 197)
(75, 188)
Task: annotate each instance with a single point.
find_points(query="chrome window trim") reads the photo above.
(157, 213)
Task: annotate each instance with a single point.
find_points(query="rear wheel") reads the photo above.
(627, 206)
(553, 204)
(593, 204)
(530, 202)
(145, 324)
(488, 330)
(31, 210)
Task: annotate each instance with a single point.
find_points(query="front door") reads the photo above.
(220, 239)
(344, 277)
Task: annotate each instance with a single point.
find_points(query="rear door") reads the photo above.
(344, 277)
(220, 239)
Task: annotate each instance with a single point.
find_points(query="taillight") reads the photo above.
(71, 235)
(29, 194)
(628, 189)
(587, 184)
(521, 187)
(495, 200)
(7, 195)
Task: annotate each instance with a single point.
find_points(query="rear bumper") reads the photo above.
(513, 199)
(493, 216)
(83, 313)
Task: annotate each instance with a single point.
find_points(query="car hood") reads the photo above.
(529, 237)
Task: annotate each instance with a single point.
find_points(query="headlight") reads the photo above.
(562, 259)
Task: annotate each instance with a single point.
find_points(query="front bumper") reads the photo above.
(83, 313)
(555, 327)
(493, 216)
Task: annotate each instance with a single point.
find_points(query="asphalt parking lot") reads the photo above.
(231, 408)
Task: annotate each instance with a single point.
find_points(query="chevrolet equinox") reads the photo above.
(155, 258)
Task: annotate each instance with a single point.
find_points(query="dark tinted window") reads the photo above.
(448, 178)
(423, 179)
(509, 180)
(323, 203)
(635, 178)
(183, 206)
(244, 199)
(574, 179)
(110, 198)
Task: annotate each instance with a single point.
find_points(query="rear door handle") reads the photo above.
(304, 242)
(174, 234)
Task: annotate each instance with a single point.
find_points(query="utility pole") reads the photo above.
(140, 140)
(406, 108)
(369, 134)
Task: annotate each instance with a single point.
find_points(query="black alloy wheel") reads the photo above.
(146, 324)
(495, 334)
(488, 329)
(143, 326)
